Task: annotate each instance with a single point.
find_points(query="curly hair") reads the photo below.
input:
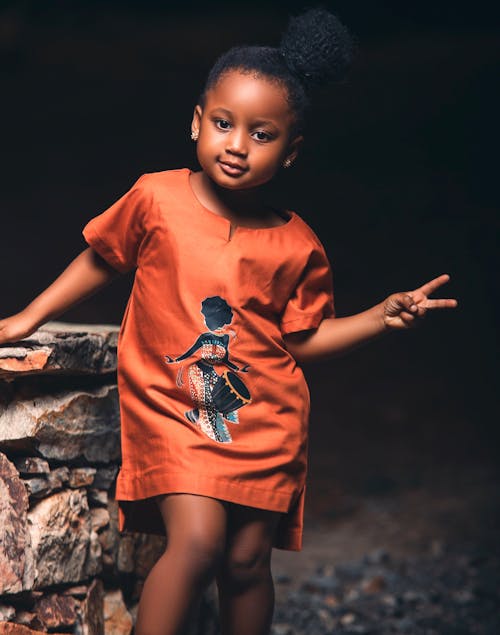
(315, 50)
(216, 312)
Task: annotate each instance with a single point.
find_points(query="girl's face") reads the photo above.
(245, 131)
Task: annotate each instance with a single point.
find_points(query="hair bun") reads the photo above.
(317, 47)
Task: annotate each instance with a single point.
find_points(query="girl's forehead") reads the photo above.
(249, 92)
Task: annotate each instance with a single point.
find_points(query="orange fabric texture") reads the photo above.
(211, 402)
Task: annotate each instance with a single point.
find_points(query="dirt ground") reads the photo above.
(458, 508)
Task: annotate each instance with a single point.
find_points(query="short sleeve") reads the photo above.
(312, 299)
(116, 234)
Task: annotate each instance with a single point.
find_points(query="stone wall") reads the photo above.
(64, 567)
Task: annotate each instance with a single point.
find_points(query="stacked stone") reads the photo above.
(63, 565)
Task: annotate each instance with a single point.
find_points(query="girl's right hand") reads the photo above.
(404, 310)
(16, 327)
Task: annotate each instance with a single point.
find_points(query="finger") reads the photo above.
(441, 303)
(407, 318)
(421, 311)
(406, 301)
(432, 285)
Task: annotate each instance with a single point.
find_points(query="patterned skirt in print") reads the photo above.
(202, 381)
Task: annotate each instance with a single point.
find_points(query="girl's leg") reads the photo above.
(244, 580)
(196, 534)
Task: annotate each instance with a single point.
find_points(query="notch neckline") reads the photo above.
(236, 228)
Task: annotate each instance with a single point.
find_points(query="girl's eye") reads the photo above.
(223, 124)
(260, 135)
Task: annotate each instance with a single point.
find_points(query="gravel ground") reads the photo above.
(452, 590)
(460, 509)
(424, 561)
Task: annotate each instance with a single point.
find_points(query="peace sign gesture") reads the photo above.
(403, 310)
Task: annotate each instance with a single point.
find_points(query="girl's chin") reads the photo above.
(236, 185)
(225, 181)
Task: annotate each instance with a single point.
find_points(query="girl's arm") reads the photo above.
(191, 351)
(83, 277)
(233, 366)
(338, 335)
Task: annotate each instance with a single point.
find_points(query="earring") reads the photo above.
(287, 163)
(194, 135)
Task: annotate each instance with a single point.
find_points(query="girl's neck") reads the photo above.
(241, 207)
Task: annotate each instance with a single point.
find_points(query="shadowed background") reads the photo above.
(397, 176)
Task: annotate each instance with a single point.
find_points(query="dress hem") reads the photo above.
(233, 491)
(138, 512)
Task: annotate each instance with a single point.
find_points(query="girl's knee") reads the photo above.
(201, 553)
(196, 531)
(247, 560)
(246, 566)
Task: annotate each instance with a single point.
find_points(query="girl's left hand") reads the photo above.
(404, 310)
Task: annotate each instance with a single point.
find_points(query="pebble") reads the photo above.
(282, 578)
(377, 556)
(373, 585)
(351, 595)
(348, 618)
(327, 620)
(463, 596)
(452, 591)
(323, 584)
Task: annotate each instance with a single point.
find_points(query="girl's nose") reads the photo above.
(236, 143)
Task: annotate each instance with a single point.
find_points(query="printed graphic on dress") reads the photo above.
(217, 396)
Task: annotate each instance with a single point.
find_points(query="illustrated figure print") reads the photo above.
(216, 397)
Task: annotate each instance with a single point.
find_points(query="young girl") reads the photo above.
(229, 296)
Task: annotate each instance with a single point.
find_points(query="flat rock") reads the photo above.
(98, 497)
(55, 610)
(117, 620)
(16, 561)
(93, 562)
(48, 483)
(37, 487)
(28, 618)
(126, 553)
(81, 477)
(60, 537)
(7, 612)
(105, 477)
(99, 518)
(8, 628)
(90, 619)
(62, 347)
(109, 539)
(28, 465)
(65, 426)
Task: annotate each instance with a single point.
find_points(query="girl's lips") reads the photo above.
(232, 169)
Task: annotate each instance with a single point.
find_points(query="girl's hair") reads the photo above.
(216, 311)
(315, 50)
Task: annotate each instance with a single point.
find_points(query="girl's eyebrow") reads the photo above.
(257, 122)
(264, 122)
(224, 110)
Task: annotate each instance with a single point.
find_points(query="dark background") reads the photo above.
(398, 176)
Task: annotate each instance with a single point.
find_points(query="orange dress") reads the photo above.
(211, 402)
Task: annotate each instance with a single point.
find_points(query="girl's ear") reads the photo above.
(293, 149)
(196, 122)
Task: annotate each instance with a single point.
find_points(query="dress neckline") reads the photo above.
(235, 228)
